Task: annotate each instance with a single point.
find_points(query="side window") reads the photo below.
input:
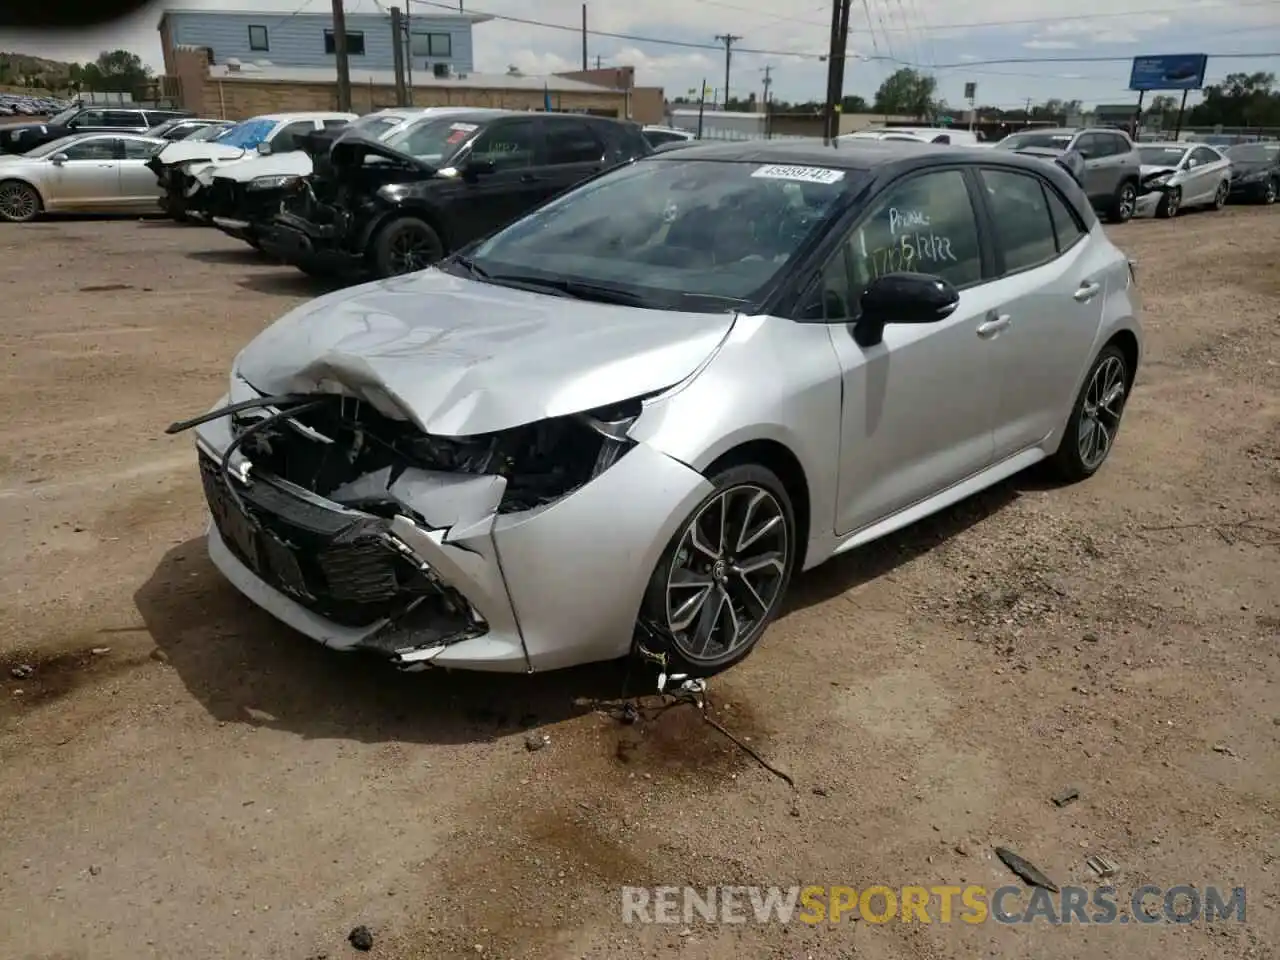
(101, 148)
(1203, 155)
(923, 224)
(89, 118)
(1120, 144)
(508, 143)
(569, 141)
(139, 149)
(334, 123)
(1089, 146)
(832, 299)
(287, 138)
(1021, 214)
(1066, 227)
(125, 118)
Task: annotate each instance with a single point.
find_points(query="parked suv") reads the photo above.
(84, 119)
(1112, 167)
(397, 206)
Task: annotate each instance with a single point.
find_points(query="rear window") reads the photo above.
(1044, 141)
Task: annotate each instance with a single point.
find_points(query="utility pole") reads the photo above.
(397, 55)
(728, 39)
(835, 65)
(584, 38)
(408, 59)
(340, 55)
(767, 69)
(598, 60)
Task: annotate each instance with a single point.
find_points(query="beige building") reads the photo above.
(236, 91)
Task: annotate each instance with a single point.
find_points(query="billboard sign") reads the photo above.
(1175, 71)
(970, 91)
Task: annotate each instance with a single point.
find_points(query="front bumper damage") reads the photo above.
(445, 578)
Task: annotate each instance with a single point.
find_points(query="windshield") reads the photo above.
(1254, 152)
(694, 229)
(61, 118)
(1161, 156)
(49, 149)
(433, 141)
(1048, 141)
(249, 134)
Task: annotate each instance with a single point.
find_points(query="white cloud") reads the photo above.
(1050, 45)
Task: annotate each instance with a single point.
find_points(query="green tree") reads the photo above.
(1241, 100)
(115, 71)
(909, 92)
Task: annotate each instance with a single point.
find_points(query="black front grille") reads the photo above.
(339, 564)
(220, 198)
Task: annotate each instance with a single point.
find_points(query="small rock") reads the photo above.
(1066, 796)
(961, 849)
(820, 792)
(100, 651)
(536, 742)
(22, 671)
(159, 655)
(1090, 638)
(1223, 749)
(361, 938)
(94, 870)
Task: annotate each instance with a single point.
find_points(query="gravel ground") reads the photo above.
(181, 776)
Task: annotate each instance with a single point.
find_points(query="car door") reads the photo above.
(89, 178)
(139, 188)
(1050, 289)
(916, 409)
(1206, 173)
(1100, 180)
(572, 151)
(481, 204)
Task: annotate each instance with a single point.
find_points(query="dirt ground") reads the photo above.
(180, 776)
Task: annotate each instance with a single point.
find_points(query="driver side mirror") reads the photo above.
(58, 159)
(902, 298)
(264, 148)
(475, 168)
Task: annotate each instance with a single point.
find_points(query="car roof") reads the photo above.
(307, 115)
(1172, 144)
(862, 153)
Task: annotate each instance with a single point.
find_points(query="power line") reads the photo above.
(800, 55)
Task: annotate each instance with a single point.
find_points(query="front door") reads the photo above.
(492, 200)
(917, 409)
(89, 178)
(1052, 287)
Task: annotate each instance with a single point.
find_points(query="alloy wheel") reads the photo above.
(411, 250)
(1269, 195)
(17, 202)
(1128, 201)
(1220, 198)
(728, 573)
(1100, 415)
(1172, 201)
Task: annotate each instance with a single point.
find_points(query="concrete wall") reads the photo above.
(238, 99)
(298, 41)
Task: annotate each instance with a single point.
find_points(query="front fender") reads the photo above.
(420, 210)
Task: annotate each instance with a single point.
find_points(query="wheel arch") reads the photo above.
(778, 458)
(1126, 341)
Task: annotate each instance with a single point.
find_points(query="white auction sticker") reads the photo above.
(466, 127)
(780, 171)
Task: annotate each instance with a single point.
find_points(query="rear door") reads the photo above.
(1051, 290)
(1100, 179)
(572, 152)
(138, 185)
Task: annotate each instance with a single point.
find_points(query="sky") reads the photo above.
(953, 39)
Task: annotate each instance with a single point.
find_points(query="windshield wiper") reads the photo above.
(471, 267)
(578, 289)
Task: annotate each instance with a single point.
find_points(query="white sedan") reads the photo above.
(83, 173)
(1175, 176)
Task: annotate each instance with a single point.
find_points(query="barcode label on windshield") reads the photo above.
(779, 171)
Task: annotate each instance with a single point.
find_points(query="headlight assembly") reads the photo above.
(271, 183)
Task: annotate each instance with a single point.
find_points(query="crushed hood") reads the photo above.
(184, 151)
(459, 357)
(351, 151)
(295, 163)
(1153, 169)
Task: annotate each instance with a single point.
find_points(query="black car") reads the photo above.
(21, 138)
(395, 206)
(1255, 172)
(181, 128)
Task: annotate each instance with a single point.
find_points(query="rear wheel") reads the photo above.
(404, 246)
(1125, 202)
(1169, 203)
(19, 202)
(722, 579)
(1095, 418)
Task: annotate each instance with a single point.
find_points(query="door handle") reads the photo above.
(1088, 290)
(993, 324)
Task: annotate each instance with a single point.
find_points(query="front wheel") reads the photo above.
(722, 579)
(1169, 203)
(1095, 418)
(404, 246)
(1220, 198)
(19, 202)
(1271, 190)
(1125, 203)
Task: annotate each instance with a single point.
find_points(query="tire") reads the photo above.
(1169, 204)
(405, 245)
(1271, 191)
(1124, 203)
(698, 637)
(19, 202)
(1069, 462)
(1220, 198)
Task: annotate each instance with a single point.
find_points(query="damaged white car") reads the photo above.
(623, 422)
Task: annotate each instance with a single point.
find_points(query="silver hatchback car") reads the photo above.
(625, 421)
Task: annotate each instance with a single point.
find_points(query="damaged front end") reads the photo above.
(382, 536)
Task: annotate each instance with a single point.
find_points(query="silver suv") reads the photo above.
(1111, 163)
